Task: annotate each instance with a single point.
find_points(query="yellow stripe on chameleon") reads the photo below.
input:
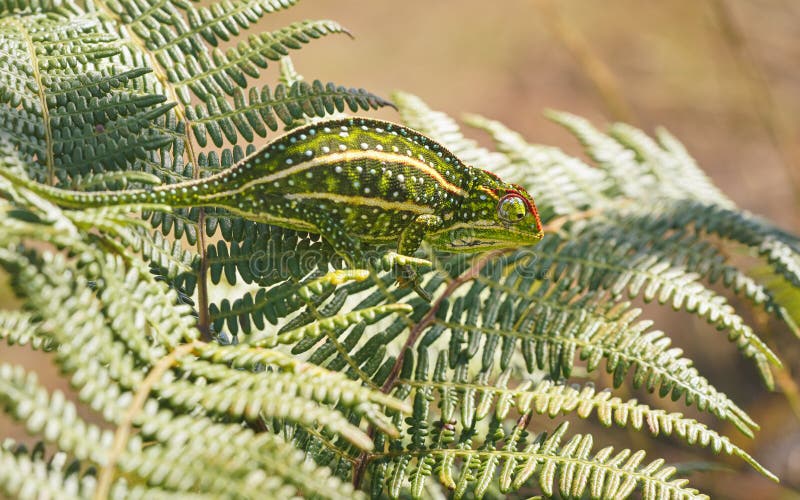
(347, 156)
(362, 200)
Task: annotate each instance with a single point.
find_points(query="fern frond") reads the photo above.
(563, 184)
(19, 328)
(615, 267)
(183, 466)
(478, 397)
(278, 302)
(417, 115)
(208, 75)
(262, 109)
(24, 475)
(515, 459)
(223, 20)
(65, 101)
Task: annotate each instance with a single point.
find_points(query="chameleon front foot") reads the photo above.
(405, 271)
(407, 277)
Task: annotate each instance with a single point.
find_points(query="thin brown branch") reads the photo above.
(597, 71)
(123, 431)
(775, 124)
(430, 316)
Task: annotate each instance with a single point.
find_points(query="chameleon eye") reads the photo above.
(511, 208)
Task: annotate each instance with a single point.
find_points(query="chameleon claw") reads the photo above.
(421, 291)
(407, 277)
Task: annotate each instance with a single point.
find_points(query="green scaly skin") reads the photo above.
(352, 180)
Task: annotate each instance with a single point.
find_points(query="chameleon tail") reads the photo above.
(88, 199)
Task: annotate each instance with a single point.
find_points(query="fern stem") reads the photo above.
(123, 431)
(430, 316)
(203, 319)
(48, 132)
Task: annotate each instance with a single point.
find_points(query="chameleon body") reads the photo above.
(352, 180)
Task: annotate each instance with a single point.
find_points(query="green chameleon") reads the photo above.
(352, 181)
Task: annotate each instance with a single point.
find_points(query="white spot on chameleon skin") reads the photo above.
(379, 130)
(293, 139)
(347, 210)
(327, 130)
(366, 190)
(342, 147)
(303, 137)
(309, 175)
(289, 161)
(338, 169)
(379, 147)
(364, 145)
(364, 128)
(309, 153)
(409, 153)
(344, 129)
(326, 149)
(343, 134)
(396, 194)
(395, 149)
(276, 184)
(281, 147)
(312, 131)
(413, 179)
(401, 177)
(359, 169)
(291, 182)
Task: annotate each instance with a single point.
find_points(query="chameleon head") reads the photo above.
(493, 215)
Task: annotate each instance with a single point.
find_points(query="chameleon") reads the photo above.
(352, 181)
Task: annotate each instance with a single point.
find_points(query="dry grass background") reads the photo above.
(722, 75)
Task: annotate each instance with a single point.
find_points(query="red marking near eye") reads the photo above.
(528, 204)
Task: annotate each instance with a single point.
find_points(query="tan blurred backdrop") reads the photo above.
(723, 76)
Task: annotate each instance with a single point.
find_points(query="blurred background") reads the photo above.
(722, 75)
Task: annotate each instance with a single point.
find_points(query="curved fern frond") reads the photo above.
(515, 459)
(60, 114)
(26, 475)
(467, 398)
(564, 184)
(262, 109)
(268, 463)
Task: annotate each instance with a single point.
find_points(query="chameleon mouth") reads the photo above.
(465, 243)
